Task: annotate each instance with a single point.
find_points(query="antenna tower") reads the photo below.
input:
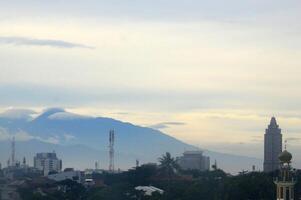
(111, 150)
(13, 151)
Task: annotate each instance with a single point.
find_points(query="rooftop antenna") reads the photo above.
(111, 150)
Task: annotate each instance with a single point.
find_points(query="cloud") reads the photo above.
(66, 116)
(4, 135)
(41, 42)
(51, 140)
(24, 136)
(12, 113)
(69, 137)
(19, 136)
(121, 113)
(164, 125)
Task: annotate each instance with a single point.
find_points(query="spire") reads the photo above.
(273, 123)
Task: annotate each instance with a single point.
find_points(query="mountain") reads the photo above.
(81, 140)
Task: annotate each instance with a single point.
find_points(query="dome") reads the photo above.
(285, 157)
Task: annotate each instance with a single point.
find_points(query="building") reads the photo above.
(149, 190)
(194, 160)
(272, 146)
(73, 175)
(285, 182)
(47, 162)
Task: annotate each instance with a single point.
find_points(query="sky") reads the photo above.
(210, 73)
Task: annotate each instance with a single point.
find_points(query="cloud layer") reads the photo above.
(41, 42)
(164, 125)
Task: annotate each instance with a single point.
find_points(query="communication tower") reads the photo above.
(111, 150)
(13, 151)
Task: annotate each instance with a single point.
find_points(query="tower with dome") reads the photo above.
(285, 181)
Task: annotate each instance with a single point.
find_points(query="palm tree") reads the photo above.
(168, 165)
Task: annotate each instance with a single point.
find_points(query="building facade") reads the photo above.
(47, 162)
(194, 160)
(272, 146)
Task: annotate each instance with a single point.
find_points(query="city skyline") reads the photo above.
(255, 150)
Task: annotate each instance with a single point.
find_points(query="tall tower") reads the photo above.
(272, 146)
(13, 151)
(111, 150)
(285, 182)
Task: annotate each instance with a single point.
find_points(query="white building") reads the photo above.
(149, 190)
(71, 175)
(47, 162)
(194, 160)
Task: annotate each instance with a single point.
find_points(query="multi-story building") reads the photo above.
(272, 146)
(194, 160)
(47, 162)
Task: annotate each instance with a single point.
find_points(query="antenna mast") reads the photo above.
(111, 150)
(13, 152)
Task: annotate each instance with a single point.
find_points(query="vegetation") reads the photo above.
(168, 165)
(177, 184)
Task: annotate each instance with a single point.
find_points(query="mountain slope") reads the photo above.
(82, 139)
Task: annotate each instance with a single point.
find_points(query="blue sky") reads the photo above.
(211, 73)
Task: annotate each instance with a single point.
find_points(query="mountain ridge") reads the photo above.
(132, 141)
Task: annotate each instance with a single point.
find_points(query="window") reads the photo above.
(287, 193)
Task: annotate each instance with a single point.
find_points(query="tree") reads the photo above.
(168, 166)
(141, 175)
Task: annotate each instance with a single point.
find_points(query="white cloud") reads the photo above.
(4, 135)
(40, 42)
(164, 125)
(66, 116)
(69, 137)
(24, 136)
(52, 140)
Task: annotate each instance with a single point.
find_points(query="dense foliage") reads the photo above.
(177, 184)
